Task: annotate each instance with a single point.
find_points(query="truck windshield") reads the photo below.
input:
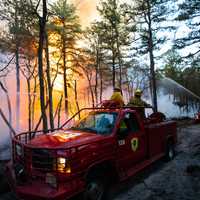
(97, 122)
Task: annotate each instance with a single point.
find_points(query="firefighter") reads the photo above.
(136, 101)
(117, 97)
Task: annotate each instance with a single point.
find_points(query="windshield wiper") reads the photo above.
(88, 130)
(83, 129)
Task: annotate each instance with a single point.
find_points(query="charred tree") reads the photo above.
(42, 25)
(9, 123)
(65, 77)
(49, 84)
(76, 98)
(151, 56)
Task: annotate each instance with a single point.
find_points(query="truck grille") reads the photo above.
(42, 160)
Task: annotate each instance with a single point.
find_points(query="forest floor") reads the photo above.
(175, 180)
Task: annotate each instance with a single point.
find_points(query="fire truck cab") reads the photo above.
(105, 146)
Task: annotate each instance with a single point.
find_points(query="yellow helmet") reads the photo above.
(138, 92)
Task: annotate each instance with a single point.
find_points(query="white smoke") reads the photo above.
(5, 140)
(166, 106)
(4, 132)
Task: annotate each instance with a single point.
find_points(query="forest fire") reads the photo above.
(58, 57)
(75, 76)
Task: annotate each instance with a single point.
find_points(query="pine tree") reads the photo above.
(42, 29)
(65, 23)
(94, 40)
(189, 12)
(148, 17)
(173, 66)
(115, 36)
(19, 36)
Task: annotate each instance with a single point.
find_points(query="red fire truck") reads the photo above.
(105, 146)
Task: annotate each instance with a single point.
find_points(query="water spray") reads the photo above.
(179, 85)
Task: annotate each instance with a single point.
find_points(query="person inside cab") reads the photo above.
(136, 101)
(117, 97)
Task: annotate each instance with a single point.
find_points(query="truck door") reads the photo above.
(156, 137)
(132, 142)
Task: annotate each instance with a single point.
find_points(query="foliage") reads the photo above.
(189, 12)
(22, 24)
(175, 68)
(115, 37)
(65, 24)
(147, 17)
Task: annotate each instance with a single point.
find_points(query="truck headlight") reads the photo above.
(63, 165)
(19, 150)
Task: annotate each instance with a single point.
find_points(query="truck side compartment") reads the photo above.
(158, 134)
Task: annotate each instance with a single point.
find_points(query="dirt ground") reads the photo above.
(175, 180)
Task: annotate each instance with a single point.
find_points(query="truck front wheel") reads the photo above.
(95, 189)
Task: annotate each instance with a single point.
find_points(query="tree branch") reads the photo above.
(7, 64)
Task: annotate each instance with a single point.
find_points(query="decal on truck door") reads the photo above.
(121, 142)
(134, 144)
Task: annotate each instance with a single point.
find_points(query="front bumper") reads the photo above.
(37, 189)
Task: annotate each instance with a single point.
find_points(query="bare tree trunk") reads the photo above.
(152, 63)
(65, 70)
(42, 24)
(59, 110)
(91, 90)
(96, 85)
(101, 84)
(40, 119)
(33, 103)
(88, 96)
(113, 69)
(120, 74)
(12, 131)
(49, 83)
(17, 67)
(29, 105)
(96, 74)
(119, 59)
(76, 98)
(9, 123)
(65, 80)
(128, 87)
(18, 86)
(56, 111)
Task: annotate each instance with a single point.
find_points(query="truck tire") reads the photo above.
(95, 189)
(170, 151)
